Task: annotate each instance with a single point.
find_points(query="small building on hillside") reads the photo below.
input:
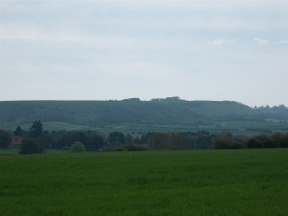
(16, 141)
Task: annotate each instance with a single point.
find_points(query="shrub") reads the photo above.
(5, 139)
(77, 147)
(30, 146)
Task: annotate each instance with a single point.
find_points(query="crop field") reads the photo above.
(248, 128)
(207, 182)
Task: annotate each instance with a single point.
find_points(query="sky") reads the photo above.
(102, 50)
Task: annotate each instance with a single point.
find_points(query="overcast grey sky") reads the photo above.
(101, 50)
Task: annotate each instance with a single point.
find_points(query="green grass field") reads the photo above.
(212, 182)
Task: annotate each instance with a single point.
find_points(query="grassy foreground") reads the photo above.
(230, 182)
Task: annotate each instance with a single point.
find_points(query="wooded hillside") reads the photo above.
(169, 111)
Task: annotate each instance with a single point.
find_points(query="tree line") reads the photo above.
(37, 140)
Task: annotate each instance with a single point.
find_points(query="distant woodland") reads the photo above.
(169, 123)
(168, 111)
(37, 140)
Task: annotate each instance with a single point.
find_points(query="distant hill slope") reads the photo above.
(102, 113)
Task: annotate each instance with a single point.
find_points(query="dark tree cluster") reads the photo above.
(36, 129)
(228, 141)
(276, 140)
(173, 140)
(276, 112)
(37, 141)
(92, 141)
(32, 143)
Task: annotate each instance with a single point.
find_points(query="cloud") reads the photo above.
(219, 42)
(282, 42)
(261, 41)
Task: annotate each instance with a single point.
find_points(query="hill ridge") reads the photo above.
(97, 113)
